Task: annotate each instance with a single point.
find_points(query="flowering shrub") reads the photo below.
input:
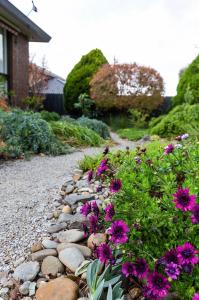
(154, 215)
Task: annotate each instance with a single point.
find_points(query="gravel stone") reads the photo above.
(48, 244)
(56, 228)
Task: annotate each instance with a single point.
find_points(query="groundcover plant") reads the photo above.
(152, 218)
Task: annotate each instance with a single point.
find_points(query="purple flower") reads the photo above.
(127, 269)
(105, 253)
(171, 256)
(118, 232)
(115, 185)
(141, 268)
(168, 149)
(102, 167)
(195, 296)
(86, 230)
(137, 160)
(95, 208)
(187, 254)
(149, 294)
(172, 270)
(106, 151)
(158, 284)
(195, 214)
(187, 268)
(90, 175)
(184, 136)
(93, 220)
(110, 212)
(86, 209)
(137, 226)
(99, 188)
(183, 200)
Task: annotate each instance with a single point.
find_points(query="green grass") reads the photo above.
(75, 135)
(132, 134)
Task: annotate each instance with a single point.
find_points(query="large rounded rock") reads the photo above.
(96, 239)
(84, 250)
(27, 271)
(70, 236)
(40, 255)
(58, 289)
(71, 258)
(51, 266)
(48, 244)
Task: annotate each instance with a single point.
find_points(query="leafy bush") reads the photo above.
(132, 134)
(26, 132)
(34, 102)
(188, 86)
(79, 78)
(49, 116)
(98, 126)
(183, 118)
(75, 135)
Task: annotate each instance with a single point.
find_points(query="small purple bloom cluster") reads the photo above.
(186, 202)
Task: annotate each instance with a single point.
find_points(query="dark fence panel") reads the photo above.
(54, 102)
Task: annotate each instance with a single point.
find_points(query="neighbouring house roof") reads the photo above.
(55, 84)
(21, 23)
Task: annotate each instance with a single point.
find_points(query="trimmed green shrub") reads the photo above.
(188, 86)
(79, 78)
(25, 132)
(76, 135)
(183, 118)
(49, 116)
(98, 126)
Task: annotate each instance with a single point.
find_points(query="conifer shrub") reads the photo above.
(79, 78)
(188, 86)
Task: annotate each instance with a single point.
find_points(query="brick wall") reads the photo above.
(18, 55)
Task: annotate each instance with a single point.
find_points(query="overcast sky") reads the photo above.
(163, 34)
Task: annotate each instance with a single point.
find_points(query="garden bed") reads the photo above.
(131, 222)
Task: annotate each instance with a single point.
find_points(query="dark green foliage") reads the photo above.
(25, 132)
(188, 86)
(49, 116)
(86, 105)
(79, 78)
(182, 119)
(98, 126)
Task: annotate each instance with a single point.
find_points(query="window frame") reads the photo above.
(5, 74)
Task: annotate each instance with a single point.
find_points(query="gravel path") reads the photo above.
(27, 193)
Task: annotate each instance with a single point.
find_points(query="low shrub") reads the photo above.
(183, 118)
(25, 132)
(132, 134)
(49, 116)
(98, 126)
(75, 135)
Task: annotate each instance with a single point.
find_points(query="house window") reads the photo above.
(3, 62)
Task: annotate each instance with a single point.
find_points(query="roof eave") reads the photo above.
(22, 23)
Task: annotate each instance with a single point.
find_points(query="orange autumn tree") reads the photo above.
(125, 86)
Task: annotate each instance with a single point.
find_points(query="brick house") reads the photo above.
(16, 31)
